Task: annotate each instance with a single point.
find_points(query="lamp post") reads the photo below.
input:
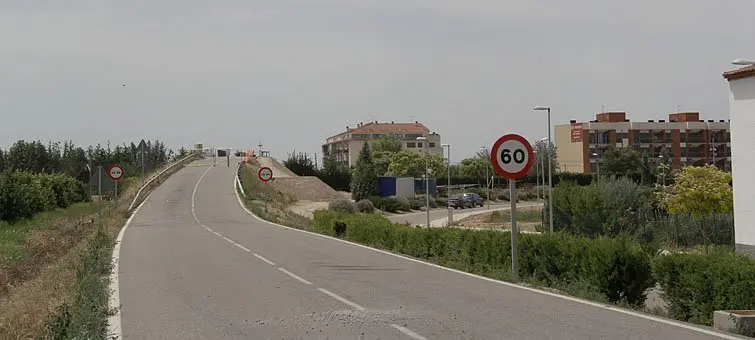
(487, 176)
(448, 184)
(542, 159)
(743, 62)
(550, 166)
(423, 140)
(597, 164)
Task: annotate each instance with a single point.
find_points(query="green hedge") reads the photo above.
(24, 194)
(696, 285)
(619, 268)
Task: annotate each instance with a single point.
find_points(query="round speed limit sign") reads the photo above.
(512, 156)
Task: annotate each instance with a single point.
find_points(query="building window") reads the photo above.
(431, 145)
(377, 135)
(419, 144)
(412, 136)
(411, 145)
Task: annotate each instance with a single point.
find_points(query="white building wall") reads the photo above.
(742, 114)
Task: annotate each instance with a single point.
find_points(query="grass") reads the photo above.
(523, 215)
(277, 202)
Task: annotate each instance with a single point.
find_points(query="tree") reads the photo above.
(700, 191)
(387, 144)
(541, 149)
(364, 178)
(335, 175)
(474, 168)
(300, 164)
(382, 160)
(412, 164)
(622, 162)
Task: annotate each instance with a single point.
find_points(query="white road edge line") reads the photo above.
(339, 298)
(408, 332)
(264, 259)
(194, 194)
(294, 276)
(114, 329)
(243, 248)
(509, 284)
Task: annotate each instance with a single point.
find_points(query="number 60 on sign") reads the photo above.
(512, 156)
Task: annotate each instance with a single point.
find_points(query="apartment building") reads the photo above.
(683, 139)
(742, 113)
(344, 147)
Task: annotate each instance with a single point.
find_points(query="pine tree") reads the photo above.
(364, 177)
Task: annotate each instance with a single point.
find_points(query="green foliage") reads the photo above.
(364, 179)
(578, 178)
(342, 206)
(424, 200)
(335, 175)
(416, 204)
(387, 144)
(542, 149)
(382, 161)
(412, 164)
(608, 207)
(365, 206)
(700, 191)
(300, 164)
(23, 194)
(695, 285)
(621, 162)
(391, 204)
(86, 316)
(618, 268)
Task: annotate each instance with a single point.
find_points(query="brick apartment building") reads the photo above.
(684, 139)
(344, 147)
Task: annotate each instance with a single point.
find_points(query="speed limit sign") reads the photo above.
(512, 156)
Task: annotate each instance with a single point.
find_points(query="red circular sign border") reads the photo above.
(494, 153)
(111, 168)
(259, 174)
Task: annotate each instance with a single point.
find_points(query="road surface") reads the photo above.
(194, 265)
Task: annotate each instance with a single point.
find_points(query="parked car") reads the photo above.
(474, 199)
(465, 200)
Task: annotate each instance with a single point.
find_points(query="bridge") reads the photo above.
(193, 263)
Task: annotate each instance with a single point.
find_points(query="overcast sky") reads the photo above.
(291, 72)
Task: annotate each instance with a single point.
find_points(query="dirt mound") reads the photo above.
(279, 170)
(307, 188)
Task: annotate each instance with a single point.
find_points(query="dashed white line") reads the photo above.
(264, 259)
(408, 332)
(243, 248)
(228, 239)
(339, 298)
(295, 276)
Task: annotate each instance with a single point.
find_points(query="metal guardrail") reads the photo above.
(157, 179)
(238, 178)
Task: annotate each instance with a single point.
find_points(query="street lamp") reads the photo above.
(550, 166)
(663, 174)
(427, 179)
(542, 158)
(448, 184)
(487, 185)
(597, 163)
(743, 62)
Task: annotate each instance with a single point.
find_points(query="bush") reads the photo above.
(440, 201)
(23, 194)
(618, 268)
(391, 204)
(365, 206)
(696, 285)
(342, 206)
(416, 204)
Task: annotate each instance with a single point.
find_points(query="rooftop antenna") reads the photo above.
(603, 108)
(411, 118)
(373, 117)
(260, 146)
(678, 108)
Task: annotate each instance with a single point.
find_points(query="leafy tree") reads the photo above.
(300, 164)
(335, 175)
(2, 160)
(700, 191)
(412, 164)
(542, 148)
(474, 168)
(622, 162)
(364, 177)
(387, 144)
(382, 160)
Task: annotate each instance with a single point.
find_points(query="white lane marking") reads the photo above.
(337, 297)
(228, 239)
(294, 276)
(408, 332)
(264, 259)
(243, 248)
(115, 330)
(509, 284)
(194, 194)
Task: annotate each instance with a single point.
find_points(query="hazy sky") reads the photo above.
(291, 72)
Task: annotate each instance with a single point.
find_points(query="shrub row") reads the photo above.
(23, 194)
(619, 268)
(695, 285)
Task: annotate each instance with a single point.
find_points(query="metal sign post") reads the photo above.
(115, 172)
(228, 157)
(512, 158)
(142, 144)
(265, 174)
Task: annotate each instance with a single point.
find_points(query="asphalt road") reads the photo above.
(420, 217)
(195, 265)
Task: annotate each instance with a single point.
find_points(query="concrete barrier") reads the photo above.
(158, 178)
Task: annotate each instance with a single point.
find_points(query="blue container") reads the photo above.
(387, 186)
(419, 186)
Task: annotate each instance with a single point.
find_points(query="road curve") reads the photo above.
(195, 265)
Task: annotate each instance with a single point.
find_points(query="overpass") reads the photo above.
(195, 264)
